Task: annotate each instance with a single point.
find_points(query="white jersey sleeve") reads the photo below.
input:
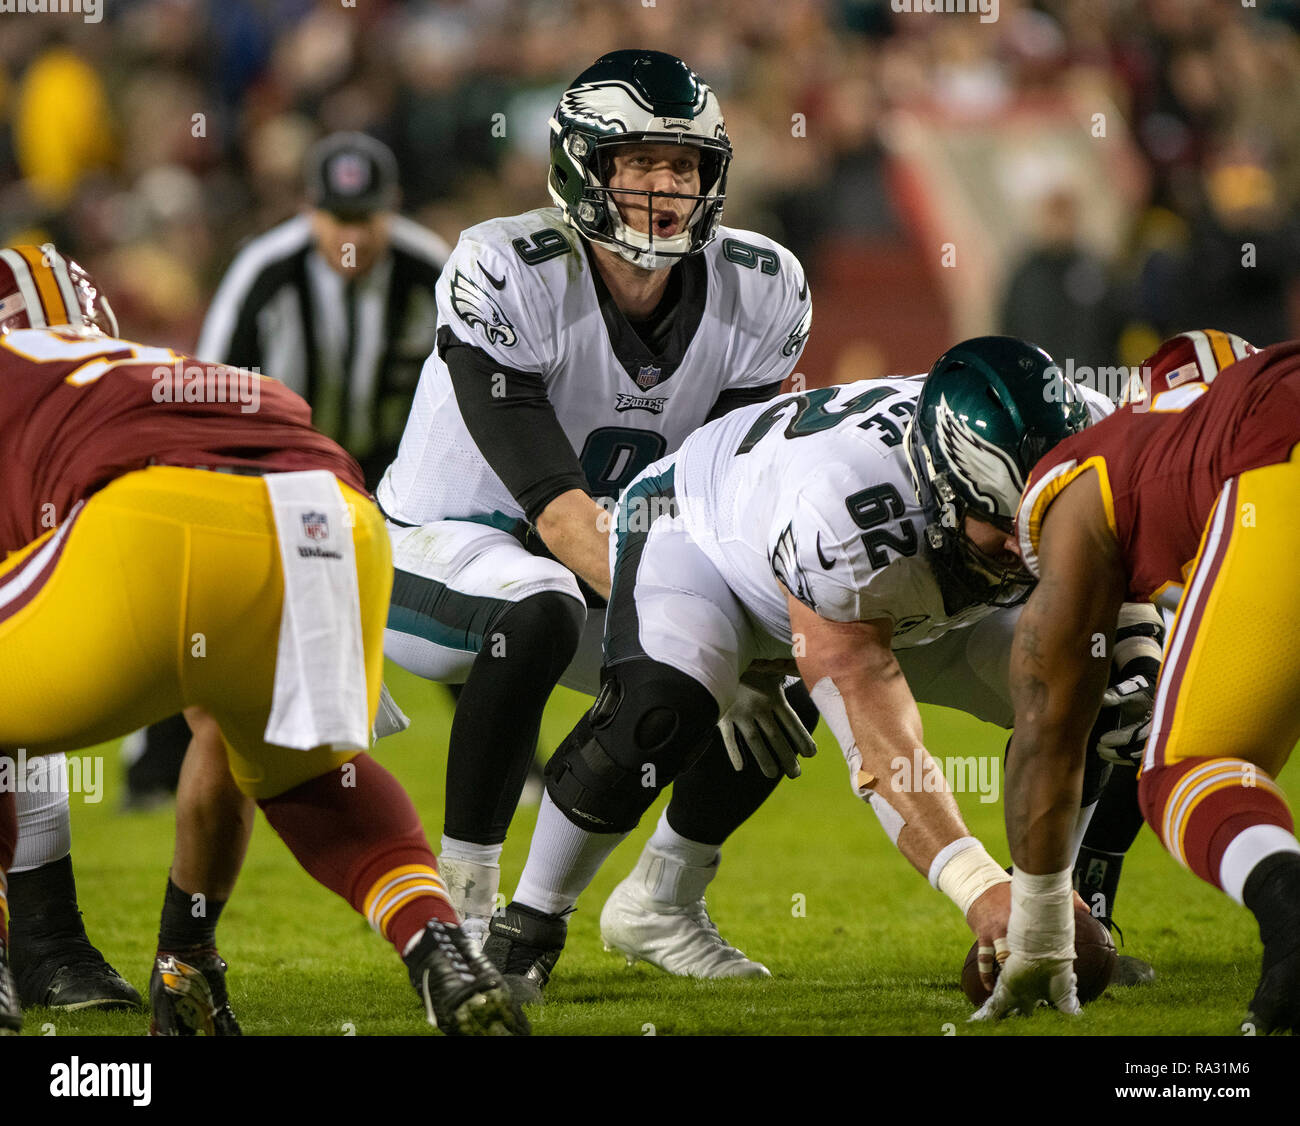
(486, 301)
(847, 552)
(772, 296)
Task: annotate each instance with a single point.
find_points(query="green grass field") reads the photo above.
(858, 943)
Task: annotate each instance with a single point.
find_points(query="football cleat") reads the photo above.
(463, 994)
(679, 939)
(524, 944)
(11, 1016)
(65, 971)
(188, 995)
(1131, 971)
(1276, 1004)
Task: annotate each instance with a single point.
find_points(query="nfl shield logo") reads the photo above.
(647, 376)
(315, 526)
(348, 174)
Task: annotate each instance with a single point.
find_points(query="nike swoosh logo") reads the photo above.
(496, 284)
(827, 564)
(803, 288)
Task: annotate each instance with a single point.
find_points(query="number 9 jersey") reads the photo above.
(539, 384)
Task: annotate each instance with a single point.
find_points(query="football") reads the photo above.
(1094, 961)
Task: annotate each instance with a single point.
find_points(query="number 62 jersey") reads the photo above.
(814, 490)
(539, 384)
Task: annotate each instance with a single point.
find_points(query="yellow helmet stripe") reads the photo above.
(56, 311)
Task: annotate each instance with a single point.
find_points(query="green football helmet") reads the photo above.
(989, 409)
(636, 96)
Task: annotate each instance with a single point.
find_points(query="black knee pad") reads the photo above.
(648, 724)
(545, 628)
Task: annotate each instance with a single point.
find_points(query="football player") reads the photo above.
(577, 344)
(179, 537)
(863, 528)
(1186, 498)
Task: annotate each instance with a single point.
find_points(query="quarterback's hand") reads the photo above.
(1124, 721)
(768, 726)
(988, 917)
(1025, 983)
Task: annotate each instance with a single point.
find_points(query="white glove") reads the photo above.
(1025, 983)
(1133, 701)
(764, 720)
(1040, 936)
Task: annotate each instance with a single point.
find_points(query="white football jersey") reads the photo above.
(521, 290)
(812, 491)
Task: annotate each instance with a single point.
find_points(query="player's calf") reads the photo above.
(1227, 820)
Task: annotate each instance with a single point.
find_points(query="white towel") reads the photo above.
(320, 667)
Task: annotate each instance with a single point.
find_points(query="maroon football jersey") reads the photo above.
(1162, 468)
(77, 412)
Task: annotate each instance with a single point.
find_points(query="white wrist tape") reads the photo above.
(963, 870)
(1042, 915)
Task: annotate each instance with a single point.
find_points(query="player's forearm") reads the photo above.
(1055, 686)
(1043, 790)
(576, 530)
(894, 764)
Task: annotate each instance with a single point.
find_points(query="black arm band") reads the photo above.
(513, 424)
(734, 397)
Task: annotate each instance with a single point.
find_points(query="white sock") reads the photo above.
(453, 849)
(672, 844)
(1247, 849)
(562, 861)
(44, 819)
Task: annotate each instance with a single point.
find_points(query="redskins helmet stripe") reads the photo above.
(1190, 357)
(40, 288)
(26, 285)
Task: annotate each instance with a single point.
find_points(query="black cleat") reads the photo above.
(188, 996)
(524, 944)
(463, 995)
(64, 970)
(11, 1016)
(1131, 971)
(1276, 1004)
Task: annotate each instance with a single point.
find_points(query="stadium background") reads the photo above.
(939, 176)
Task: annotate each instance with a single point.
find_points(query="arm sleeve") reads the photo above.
(735, 397)
(783, 305)
(513, 424)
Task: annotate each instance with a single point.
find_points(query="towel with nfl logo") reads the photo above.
(320, 667)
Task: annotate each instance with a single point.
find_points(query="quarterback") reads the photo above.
(577, 344)
(162, 555)
(1186, 498)
(863, 528)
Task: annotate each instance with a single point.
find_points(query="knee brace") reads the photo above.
(649, 723)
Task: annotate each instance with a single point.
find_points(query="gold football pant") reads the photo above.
(164, 591)
(1227, 710)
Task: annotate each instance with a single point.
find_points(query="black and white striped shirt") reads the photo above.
(353, 348)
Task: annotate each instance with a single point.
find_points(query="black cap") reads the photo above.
(351, 175)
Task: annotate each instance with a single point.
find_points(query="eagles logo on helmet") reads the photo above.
(637, 97)
(982, 421)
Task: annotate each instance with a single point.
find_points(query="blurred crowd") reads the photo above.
(152, 143)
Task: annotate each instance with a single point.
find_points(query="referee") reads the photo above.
(338, 304)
